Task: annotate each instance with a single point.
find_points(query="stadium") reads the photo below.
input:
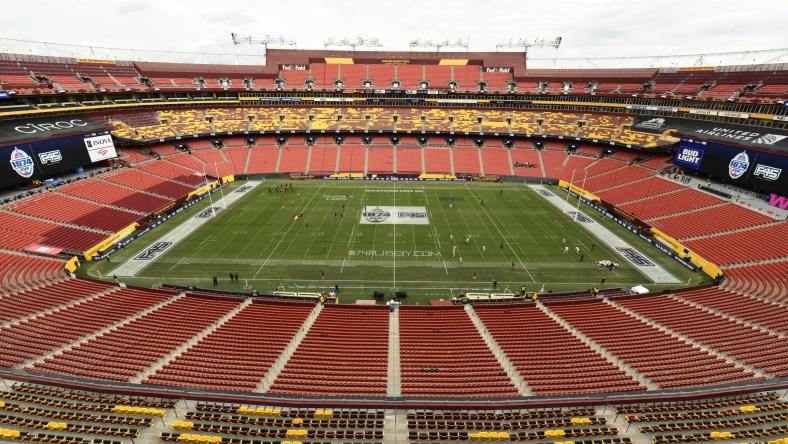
(360, 245)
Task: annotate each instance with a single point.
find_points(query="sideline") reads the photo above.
(132, 266)
(640, 261)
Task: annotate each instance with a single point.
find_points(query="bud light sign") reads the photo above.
(689, 157)
(738, 165)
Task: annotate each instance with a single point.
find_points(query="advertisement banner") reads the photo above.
(24, 162)
(739, 166)
(12, 131)
(769, 138)
(100, 148)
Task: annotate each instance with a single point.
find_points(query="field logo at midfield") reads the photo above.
(376, 215)
(153, 251)
(386, 215)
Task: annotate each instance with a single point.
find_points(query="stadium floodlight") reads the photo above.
(530, 43)
(357, 42)
(448, 43)
(239, 39)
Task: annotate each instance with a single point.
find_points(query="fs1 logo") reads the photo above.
(690, 157)
(738, 165)
(633, 256)
(50, 157)
(767, 172)
(153, 251)
(22, 163)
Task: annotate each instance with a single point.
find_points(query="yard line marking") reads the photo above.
(286, 232)
(444, 267)
(343, 266)
(206, 239)
(177, 263)
(486, 213)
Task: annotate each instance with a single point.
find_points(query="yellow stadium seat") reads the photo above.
(319, 413)
(327, 413)
(484, 436)
(276, 412)
(184, 437)
(2, 404)
(177, 425)
(292, 433)
(560, 433)
(549, 433)
(503, 436)
(298, 421)
(259, 411)
(268, 411)
(216, 439)
(493, 436)
(242, 410)
(301, 434)
(473, 436)
(205, 439)
(715, 435)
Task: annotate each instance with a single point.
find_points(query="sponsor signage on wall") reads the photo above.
(741, 166)
(751, 136)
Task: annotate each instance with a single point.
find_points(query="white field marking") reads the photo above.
(286, 232)
(132, 266)
(654, 272)
(517, 256)
(343, 266)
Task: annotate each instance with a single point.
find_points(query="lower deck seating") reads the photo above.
(240, 352)
(441, 350)
(124, 352)
(659, 356)
(332, 347)
(549, 358)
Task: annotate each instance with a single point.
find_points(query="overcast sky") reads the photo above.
(590, 28)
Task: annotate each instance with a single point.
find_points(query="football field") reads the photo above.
(431, 239)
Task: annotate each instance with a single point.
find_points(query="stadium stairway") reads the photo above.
(492, 344)
(128, 210)
(366, 159)
(308, 158)
(57, 222)
(248, 159)
(164, 360)
(753, 325)
(56, 308)
(278, 159)
(277, 366)
(662, 216)
(481, 162)
(511, 163)
(394, 380)
(451, 160)
(642, 379)
(58, 351)
(541, 162)
(752, 227)
(757, 372)
(394, 160)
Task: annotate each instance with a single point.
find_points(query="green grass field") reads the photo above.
(517, 239)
